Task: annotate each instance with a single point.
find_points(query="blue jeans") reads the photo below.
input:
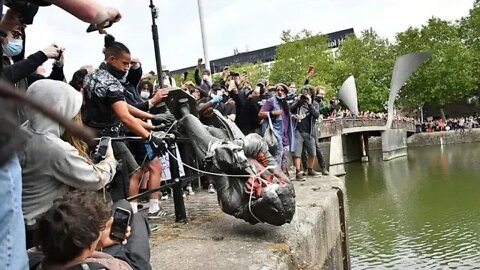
(13, 253)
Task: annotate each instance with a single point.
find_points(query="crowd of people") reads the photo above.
(457, 124)
(54, 195)
(58, 201)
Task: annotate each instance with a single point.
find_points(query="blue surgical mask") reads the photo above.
(13, 47)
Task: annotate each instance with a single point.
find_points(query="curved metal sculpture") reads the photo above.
(348, 94)
(250, 184)
(405, 65)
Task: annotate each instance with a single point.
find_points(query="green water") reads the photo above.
(417, 212)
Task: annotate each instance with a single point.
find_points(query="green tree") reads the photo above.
(448, 76)
(369, 59)
(296, 53)
(470, 33)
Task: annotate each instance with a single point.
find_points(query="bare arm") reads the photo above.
(121, 110)
(145, 125)
(90, 11)
(138, 113)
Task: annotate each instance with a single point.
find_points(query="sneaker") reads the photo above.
(211, 189)
(160, 213)
(190, 190)
(325, 172)
(164, 196)
(304, 173)
(311, 172)
(299, 176)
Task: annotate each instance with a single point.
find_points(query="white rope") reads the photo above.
(256, 177)
(222, 174)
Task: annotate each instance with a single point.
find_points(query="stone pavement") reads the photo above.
(214, 240)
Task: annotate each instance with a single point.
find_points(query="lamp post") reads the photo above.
(156, 46)
(202, 30)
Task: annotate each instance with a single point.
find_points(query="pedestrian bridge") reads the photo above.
(329, 128)
(349, 139)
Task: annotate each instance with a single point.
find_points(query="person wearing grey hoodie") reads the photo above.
(53, 161)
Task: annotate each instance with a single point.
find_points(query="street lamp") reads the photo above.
(156, 45)
(202, 30)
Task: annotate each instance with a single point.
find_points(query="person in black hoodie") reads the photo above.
(17, 73)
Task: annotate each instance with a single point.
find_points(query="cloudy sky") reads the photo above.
(242, 24)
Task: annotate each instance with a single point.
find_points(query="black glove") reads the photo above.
(163, 118)
(158, 144)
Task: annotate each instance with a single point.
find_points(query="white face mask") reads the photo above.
(145, 95)
(207, 78)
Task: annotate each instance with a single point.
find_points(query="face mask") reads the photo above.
(207, 78)
(13, 47)
(117, 73)
(145, 95)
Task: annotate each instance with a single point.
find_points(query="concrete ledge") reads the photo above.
(444, 137)
(213, 240)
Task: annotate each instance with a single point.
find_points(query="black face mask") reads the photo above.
(117, 73)
(318, 99)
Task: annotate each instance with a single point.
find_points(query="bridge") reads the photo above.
(349, 139)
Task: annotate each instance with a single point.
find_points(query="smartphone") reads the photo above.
(103, 146)
(94, 27)
(121, 219)
(310, 69)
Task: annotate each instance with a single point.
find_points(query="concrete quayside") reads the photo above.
(315, 239)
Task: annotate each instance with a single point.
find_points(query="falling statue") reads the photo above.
(250, 184)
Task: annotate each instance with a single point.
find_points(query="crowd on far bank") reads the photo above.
(457, 123)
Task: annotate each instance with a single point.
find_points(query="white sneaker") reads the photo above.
(164, 197)
(211, 189)
(190, 190)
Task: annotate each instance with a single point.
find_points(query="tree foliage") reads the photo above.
(369, 59)
(296, 53)
(449, 75)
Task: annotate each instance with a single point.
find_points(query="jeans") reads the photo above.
(13, 253)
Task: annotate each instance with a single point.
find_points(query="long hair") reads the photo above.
(77, 143)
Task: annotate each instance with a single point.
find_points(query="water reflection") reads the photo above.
(421, 211)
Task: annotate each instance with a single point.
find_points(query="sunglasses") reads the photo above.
(16, 34)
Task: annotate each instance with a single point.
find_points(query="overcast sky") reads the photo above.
(242, 24)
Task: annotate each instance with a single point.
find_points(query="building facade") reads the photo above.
(266, 55)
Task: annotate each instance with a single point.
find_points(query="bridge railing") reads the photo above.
(330, 127)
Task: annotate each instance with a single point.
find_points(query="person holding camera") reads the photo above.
(323, 109)
(11, 220)
(305, 112)
(53, 161)
(79, 232)
(18, 72)
(205, 82)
